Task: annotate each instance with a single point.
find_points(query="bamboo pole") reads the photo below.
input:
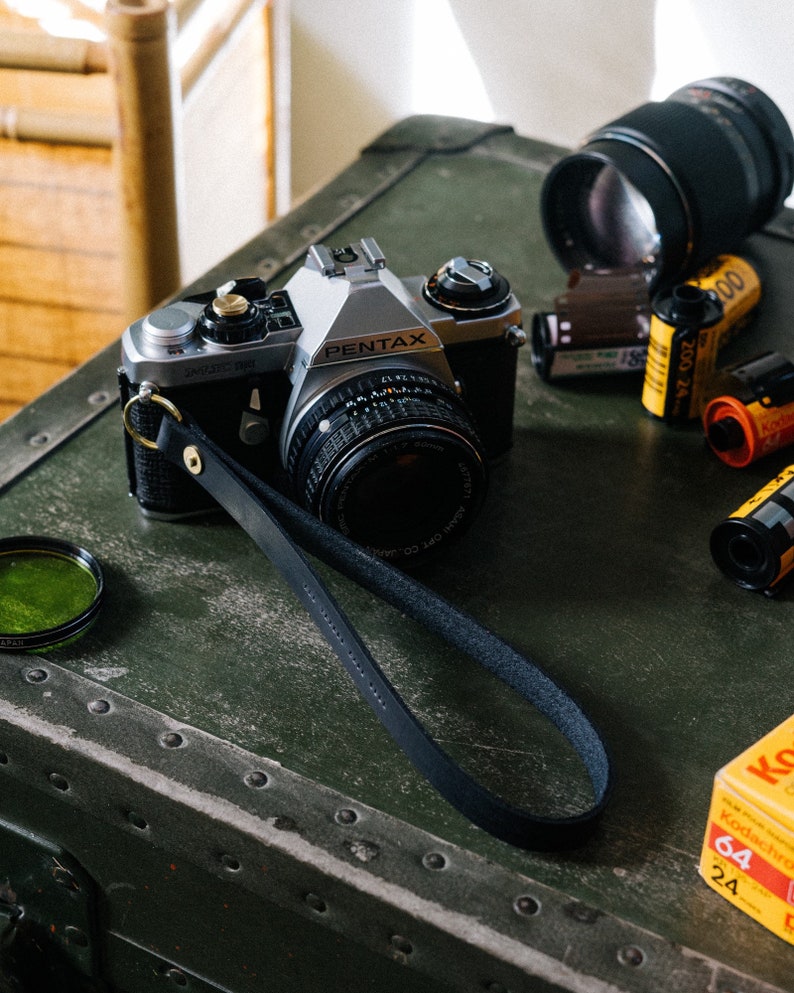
(185, 9)
(219, 19)
(269, 122)
(213, 38)
(36, 50)
(145, 151)
(26, 124)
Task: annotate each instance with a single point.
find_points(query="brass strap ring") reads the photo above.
(154, 398)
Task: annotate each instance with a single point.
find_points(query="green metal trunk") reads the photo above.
(193, 795)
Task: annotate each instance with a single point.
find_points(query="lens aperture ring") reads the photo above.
(352, 428)
(382, 390)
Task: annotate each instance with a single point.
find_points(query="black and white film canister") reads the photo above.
(755, 545)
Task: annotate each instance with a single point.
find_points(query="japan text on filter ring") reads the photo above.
(50, 592)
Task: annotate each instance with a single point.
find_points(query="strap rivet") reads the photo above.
(192, 459)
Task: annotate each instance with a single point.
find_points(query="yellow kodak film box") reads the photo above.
(748, 850)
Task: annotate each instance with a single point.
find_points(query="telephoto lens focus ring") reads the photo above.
(762, 137)
(392, 460)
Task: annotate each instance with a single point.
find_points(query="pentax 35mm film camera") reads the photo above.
(375, 402)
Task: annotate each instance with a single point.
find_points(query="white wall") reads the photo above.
(553, 69)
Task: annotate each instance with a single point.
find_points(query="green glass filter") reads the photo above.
(50, 592)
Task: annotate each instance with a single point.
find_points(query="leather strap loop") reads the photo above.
(278, 526)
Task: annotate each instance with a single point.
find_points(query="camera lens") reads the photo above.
(671, 184)
(392, 460)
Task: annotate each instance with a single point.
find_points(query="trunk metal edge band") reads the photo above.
(53, 418)
(372, 867)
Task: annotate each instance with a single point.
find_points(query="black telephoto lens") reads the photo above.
(671, 184)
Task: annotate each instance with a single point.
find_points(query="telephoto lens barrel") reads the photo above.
(672, 183)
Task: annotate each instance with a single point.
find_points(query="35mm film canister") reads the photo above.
(758, 420)
(600, 325)
(755, 545)
(689, 325)
(740, 433)
(50, 592)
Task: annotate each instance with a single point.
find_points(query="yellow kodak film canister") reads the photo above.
(755, 545)
(689, 325)
(748, 848)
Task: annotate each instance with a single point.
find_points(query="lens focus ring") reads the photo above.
(355, 426)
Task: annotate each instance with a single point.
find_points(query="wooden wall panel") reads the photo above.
(60, 275)
(61, 279)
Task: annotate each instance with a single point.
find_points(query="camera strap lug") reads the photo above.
(148, 393)
(279, 527)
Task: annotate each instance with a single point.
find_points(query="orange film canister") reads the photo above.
(740, 433)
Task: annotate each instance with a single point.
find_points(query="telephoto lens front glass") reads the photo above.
(50, 593)
(623, 226)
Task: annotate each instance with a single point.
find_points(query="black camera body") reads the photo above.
(373, 401)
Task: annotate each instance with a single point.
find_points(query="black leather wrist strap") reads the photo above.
(277, 525)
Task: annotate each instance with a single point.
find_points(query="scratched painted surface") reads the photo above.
(591, 556)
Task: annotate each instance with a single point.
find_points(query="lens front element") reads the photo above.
(622, 225)
(391, 460)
